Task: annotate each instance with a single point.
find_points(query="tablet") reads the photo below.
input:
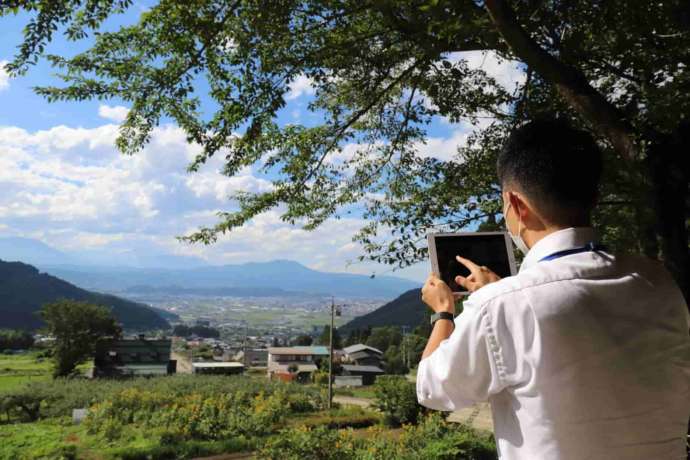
(491, 249)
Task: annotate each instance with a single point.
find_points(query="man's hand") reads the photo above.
(479, 275)
(437, 295)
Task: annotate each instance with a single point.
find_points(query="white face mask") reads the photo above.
(517, 239)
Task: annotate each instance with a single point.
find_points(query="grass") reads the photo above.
(343, 417)
(53, 438)
(35, 440)
(11, 382)
(16, 370)
(366, 392)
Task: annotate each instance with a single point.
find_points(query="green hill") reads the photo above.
(24, 290)
(406, 310)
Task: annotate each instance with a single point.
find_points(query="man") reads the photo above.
(582, 354)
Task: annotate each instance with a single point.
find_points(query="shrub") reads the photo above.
(24, 402)
(58, 397)
(306, 443)
(193, 416)
(397, 399)
(346, 417)
(435, 438)
(320, 377)
(432, 439)
(190, 449)
(67, 452)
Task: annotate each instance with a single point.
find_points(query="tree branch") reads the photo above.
(572, 84)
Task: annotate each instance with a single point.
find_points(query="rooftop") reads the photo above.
(355, 368)
(361, 347)
(317, 350)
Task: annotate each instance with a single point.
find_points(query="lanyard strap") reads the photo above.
(591, 246)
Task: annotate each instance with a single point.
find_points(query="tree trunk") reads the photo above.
(667, 166)
(603, 117)
(667, 163)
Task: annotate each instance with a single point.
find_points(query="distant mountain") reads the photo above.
(137, 259)
(214, 291)
(406, 310)
(24, 290)
(280, 274)
(32, 251)
(37, 253)
(113, 271)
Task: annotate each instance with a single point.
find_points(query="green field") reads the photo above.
(59, 438)
(16, 370)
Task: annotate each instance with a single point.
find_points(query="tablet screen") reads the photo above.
(490, 250)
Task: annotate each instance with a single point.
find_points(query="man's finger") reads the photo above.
(462, 281)
(474, 268)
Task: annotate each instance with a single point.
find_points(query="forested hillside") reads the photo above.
(24, 290)
(406, 310)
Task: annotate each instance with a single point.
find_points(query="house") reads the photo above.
(133, 357)
(367, 373)
(363, 355)
(253, 357)
(219, 368)
(364, 361)
(294, 363)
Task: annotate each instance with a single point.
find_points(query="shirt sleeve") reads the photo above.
(464, 369)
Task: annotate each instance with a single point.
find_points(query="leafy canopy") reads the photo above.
(381, 71)
(76, 326)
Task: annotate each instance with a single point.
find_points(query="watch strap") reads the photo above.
(441, 315)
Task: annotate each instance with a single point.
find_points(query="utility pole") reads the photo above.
(330, 357)
(334, 312)
(405, 348)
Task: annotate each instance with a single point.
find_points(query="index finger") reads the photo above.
(469, 264)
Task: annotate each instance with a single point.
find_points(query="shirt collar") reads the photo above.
(568, 238)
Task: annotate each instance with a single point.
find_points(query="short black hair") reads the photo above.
(557, 167)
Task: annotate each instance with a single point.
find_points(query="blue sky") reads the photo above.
(63, 182)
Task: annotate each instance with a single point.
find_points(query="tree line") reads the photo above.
(11, 339)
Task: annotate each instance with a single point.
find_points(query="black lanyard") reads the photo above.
(591, 246)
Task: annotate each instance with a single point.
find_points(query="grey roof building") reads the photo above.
(363, 355)
(364, 361)
(133, 357)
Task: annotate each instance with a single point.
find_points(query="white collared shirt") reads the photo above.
(586, 356)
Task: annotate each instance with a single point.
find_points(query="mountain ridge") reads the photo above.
(24, 290)
(405, 310)
(289, 276)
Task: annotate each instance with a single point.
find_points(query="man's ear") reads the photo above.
(520, 205)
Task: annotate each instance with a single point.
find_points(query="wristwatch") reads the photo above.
(441, 315)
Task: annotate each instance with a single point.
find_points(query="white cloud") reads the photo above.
(302, 85)
(70, 188)
(443, 148)
(207, 184)
(507, 73)
(4, 76)
(116, 113)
